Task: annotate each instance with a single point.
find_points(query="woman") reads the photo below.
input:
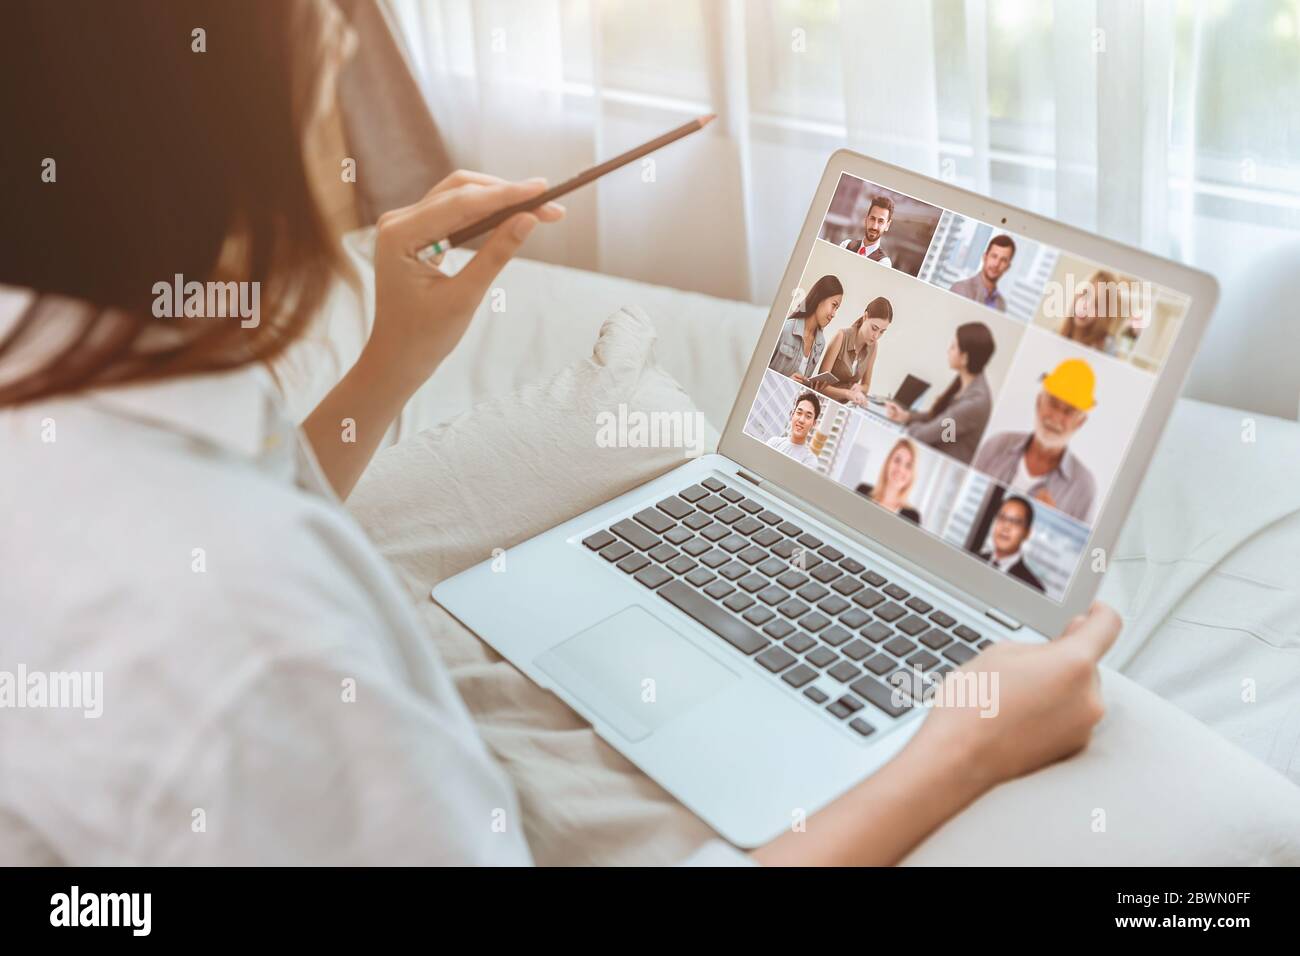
(803, 419)
(265, 671)
(897, 472)
(803, 338)
(852, 354)
(1092, 313)
(956, 420)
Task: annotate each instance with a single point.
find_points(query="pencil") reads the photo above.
(465, 234)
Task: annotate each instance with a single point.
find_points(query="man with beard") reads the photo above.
(1039, 464)
(879, 217)
(982, 287)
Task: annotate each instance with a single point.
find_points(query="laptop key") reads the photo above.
(758, 615)
(838, 710)
(821, 656)
(733, 571)
(830, 554)
(852, 703)
(700, 577)
(732, 495)
(633, 563)
(798, 676)
(874, 579)
(752, 555)
(773, 595)
(770, 517)
(598, 540)
(635, 535)
(966, 634)
(694, 547)
(844, 672)
(943, 620)
(738, 602)
(697, 521)
(876, 632)
(713, 484)
(983, 644)
(766, 538)
(831, 606)
(752, 583)
(779, 630)
(910, 625)
(869, 598)
(959, 654)
(678, 535)
(935, 639)
(880, 696)
(715, 532)
(733, 543)
(834, 636)
(895, 592)
(747, 526)
(616, 551)
(729, 515)
(681, 565)
(775, 659)
(847, 585)
(853, 567)
(899, 646)
(852, 618)
(654, 576)
(714, 559)
(880, 664)
(711, 504)
(654, 519)
(922, 660)
(718, 590)
(675, 506)
(772, 567)
(731, 629)
(748, 506)
(919, 606)
(790, 529)
(815, 695)
(856, 650)
(889, 612)
(793, 609)
(800, 643)
(812, 593)
(814, 622)
(693, 494)
(862, 727)
(783, 548)
(826, 573)
(664, 553)
(792, 580)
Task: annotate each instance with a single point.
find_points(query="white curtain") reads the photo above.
(1170, 124)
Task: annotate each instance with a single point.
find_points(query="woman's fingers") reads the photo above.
(477, 275)
(1095, 632)
(443, 213)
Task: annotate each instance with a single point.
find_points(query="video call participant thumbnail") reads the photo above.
(879, 217)
(982, 287)
(1098, 303)
(1039, 463)
(802, 340)
(956, 420)
(1011, 528)
(852, 353)
(897, 473)
(798, 444)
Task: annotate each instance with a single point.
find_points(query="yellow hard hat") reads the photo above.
(1072, 382)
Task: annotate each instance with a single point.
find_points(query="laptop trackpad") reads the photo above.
(636, 672)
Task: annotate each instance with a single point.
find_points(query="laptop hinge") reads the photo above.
(1010, 623)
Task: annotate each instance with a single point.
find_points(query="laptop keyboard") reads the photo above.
(828, 625)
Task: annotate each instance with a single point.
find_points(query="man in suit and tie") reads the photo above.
(1011, 527)
(879, 217)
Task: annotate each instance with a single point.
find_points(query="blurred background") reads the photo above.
(1170, 124)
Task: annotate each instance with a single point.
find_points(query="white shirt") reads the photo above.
(867, 249)
(800, 453)
(1004, 564)
(269, 695)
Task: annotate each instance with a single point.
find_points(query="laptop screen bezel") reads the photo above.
(942, 564)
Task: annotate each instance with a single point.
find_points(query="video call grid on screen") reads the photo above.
(1075, 351)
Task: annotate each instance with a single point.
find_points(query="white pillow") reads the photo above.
(521, 463)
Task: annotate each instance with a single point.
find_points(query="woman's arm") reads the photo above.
(420, 314)
(1043, 705)
(837, 392)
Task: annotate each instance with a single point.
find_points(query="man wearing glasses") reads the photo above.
(1011, 527)
(1039, 464)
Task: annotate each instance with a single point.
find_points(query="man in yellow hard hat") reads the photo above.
(1039, 463)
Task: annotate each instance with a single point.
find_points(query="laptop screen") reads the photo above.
(1039, 364)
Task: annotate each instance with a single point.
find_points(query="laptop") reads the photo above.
(907, 393)
(740, 627)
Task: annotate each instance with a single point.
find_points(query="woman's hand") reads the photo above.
(896, 413)
(421, 313)
(856, 395)
(1046, 702)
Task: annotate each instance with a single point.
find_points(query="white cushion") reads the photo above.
(522, 462)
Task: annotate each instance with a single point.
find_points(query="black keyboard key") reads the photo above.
(814, 622)
(889, 612)
(633, 563)
(752, 555)
(697, 521)
(773, 595)
(856, 650)
(943, 620)
(714, 559)
(966, 634)
(711, 504)
(758, 615)
(800, 642)
(779, 630)
(738, 602)
(830, 554)
(847, 585)
(852, 618)
(718, 590)
(832, 605)
(868, 599)
(834, 636)
(880, 664)
(713, 484)
(815, 695)
(752, 583)
(664, 553)
(919, 606)
(844, 672)
(821, 656)
(775, 659)
(793, 609)
(732, 495)
(766, 538)
(635, 535)
(772, 567)
(654, 519)
(678, 535)
(598, 540)
(959, 654)
(862, 727)
(876, 632)
(616, 551)
(798, 676)
(715, 532)
(747, 526)
(681, 565)
(935, 639)
(922, 660)
(853, 567)
(874, 579)
(675, 506)
(693, 493)
(900, 646)
(700, 577)
(733, 571)
(735, 632)
(733, 543)
(881, 696)
(695, 547)
(912, 625)
(654, 576)
(729, 515)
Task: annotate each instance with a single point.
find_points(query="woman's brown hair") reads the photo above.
(147, 140)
